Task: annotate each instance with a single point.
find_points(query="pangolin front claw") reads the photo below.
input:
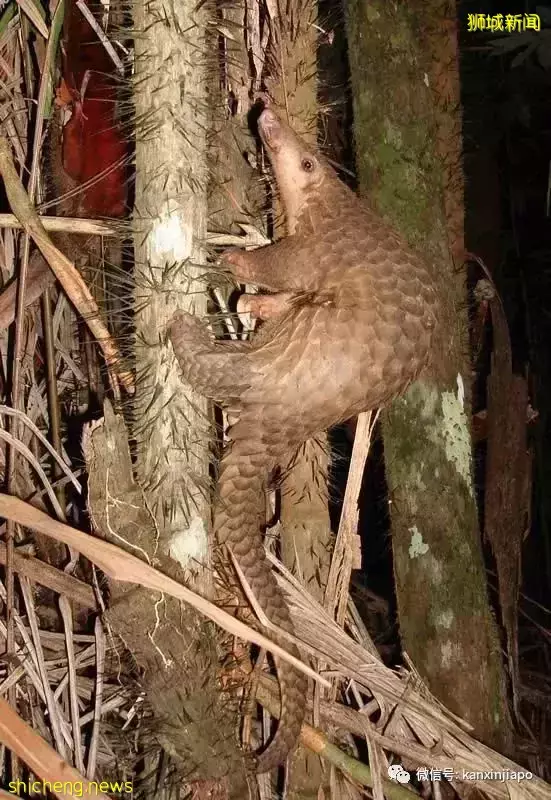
(237, 261)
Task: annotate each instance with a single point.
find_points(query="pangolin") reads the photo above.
(352, 328)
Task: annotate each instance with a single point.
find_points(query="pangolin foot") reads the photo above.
(187, 331)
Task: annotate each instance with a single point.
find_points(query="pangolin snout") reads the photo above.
(269, 127)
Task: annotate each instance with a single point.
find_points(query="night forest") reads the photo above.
(398, 564)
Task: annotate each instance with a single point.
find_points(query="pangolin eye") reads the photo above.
(308, 164)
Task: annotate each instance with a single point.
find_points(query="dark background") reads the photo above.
(506, 96)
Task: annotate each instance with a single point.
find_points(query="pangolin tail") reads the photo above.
(240, 517)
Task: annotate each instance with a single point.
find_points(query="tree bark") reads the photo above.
(170, 219)
(403, 61)
(171, 423)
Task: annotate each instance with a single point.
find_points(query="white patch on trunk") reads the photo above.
(456, 435)
(190, 545)
(444, 619)
(171, 238)
(450, 655)
(417, 547)
(460, 390)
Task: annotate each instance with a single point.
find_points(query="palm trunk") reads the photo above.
(171, 422)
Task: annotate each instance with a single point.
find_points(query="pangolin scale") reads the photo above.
(353, 328)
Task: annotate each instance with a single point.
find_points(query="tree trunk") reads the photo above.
(403, 61)
(171, 423)
(170, 218)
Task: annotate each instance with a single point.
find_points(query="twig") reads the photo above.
(37, 432)
(53, 578)
(75, 225)
(316, 741)
(86, 657)
(15, 445)
(16, 398)
(27, 667)
(41, 758)
(336, 593)
(51, 705)
(100, 33)
(113, 704)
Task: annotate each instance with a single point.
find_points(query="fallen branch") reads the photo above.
(316, 741)
(76, 225)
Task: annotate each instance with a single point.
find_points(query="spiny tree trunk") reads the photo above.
(403, 61)
(170, 218)
(171, 424)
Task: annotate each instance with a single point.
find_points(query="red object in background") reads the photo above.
(93, 139)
